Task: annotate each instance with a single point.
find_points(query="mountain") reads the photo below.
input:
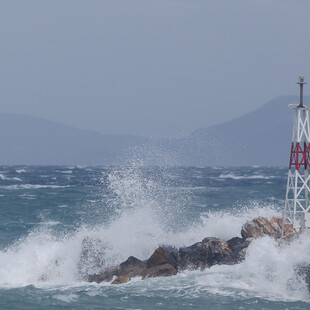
(262, 137)
(34, 141)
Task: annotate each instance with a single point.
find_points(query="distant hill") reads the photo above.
(261, 137)
(34, 141)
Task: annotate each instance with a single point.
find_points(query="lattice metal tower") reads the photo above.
(297, 207)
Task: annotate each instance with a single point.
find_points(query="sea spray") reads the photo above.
(270, 268)
(39, 257)
(153, 189)
(140, 209)
(149, 210)
(54, 259)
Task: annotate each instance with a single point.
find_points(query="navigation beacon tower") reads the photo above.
(297, 205)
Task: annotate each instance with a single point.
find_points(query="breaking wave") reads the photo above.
(143, 214)
(244, 177)
(31, 186)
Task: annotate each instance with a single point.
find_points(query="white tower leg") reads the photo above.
(297, 207)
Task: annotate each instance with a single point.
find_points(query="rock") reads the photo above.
(261, 226)
(163, 270)
(238, 247)
(304, 272)
(163, 255)
(92, 257)
(237, 243)
(121, 279)
(208, 252)
(250, 239)
(132, 267)
(107, 275)
(162, 263)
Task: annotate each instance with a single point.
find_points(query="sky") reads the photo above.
(158, 68)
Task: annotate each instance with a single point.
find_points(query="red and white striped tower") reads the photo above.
(297, 207)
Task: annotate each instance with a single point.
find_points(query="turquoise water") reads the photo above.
(47, 212)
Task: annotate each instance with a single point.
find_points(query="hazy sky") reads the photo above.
(150, 67)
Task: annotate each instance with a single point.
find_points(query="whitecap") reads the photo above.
(32, 186)
(67, 297)
(241, 177)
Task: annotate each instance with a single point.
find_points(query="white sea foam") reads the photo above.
(269, 269)
(246, 177)
(16, 179)
(65, 171)
(31, 186)
(4, 178)
(67, 297)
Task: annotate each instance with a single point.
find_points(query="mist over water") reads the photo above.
(129, 211)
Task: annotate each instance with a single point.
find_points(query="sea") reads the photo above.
(47, 213)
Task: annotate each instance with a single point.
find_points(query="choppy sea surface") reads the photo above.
(47, 212)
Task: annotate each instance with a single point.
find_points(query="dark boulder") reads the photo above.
(132, 267)
(162, 263)
(163, 270)
(204, 254)
(107, 275)
(237, 243)
(304, 272)
(163, 255)
(121, 279)
(92, 257)
(238, 247)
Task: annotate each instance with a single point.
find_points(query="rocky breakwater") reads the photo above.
(168, 261)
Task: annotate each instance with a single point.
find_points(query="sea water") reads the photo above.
(47, 212)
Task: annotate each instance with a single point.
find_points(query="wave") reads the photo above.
(65, 171)
(144, 213)
(44, 255)
(31, 186)
(4, 178)
(45, 259)
(242, 177)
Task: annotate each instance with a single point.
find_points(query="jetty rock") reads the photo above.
(121, 279)
(132, 267)
(261, 226)
(168, 261)
(162, 263)
(92, 256)
(238, 247)
(164, 255)
(304, 272)
(210, 251)
(106, 276)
